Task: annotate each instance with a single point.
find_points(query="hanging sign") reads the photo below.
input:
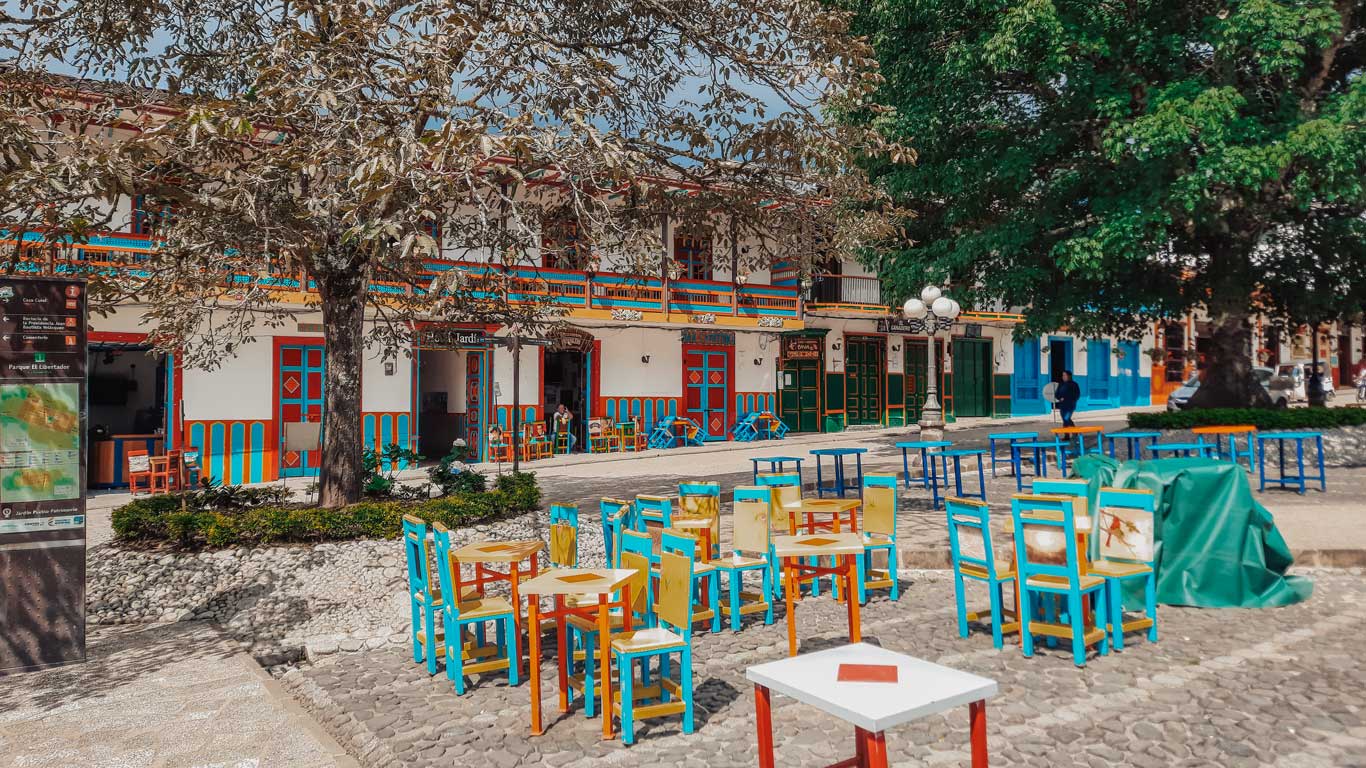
(802, 347)
(571, 340)
(437, 337)
(42, 472)
(897, 325)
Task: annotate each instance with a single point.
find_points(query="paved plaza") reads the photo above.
(1284, 687)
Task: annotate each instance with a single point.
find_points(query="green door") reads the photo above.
(972, 377)
(799, 401)
(917, 376)
(863, 370)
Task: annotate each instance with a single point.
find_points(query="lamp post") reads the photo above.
(931, 313)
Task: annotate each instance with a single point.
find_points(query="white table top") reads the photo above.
(922, 688)
(578, 581)
(818, 544)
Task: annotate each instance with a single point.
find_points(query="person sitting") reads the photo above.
(564, 424)
(1067, 396)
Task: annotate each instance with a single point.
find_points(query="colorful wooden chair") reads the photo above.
(641, 544)
(652, 509)
(879, 534)
(1046, 487)
(466, 658)
(564, 535)
(584, 634)
(1048, 563)
(973, 556)
(615, 513)
(784, 512)
(139, 471)
(500, 449)
(751, 550)
(1127, 547)
(671, 635)
(698, 500)
(424, 595)
(706, 577)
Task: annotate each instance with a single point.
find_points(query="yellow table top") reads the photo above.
(1087, 430)
(578, 581)
(498, 551)
(818, 545)
(829, 505)
(1230, 429)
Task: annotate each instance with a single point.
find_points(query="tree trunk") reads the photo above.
(1228, 380)
(342, 473)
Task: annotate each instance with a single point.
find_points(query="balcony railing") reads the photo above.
(847, 292)
(122, 253)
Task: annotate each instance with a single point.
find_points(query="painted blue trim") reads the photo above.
(258, 452)
(238, 459)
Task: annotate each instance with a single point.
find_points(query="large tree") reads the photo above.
(322, 144)
(1106, 164)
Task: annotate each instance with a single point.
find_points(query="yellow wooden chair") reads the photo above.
(662, 695)
(752, 550)
(698, 500)
(879, 534)
(584, 631)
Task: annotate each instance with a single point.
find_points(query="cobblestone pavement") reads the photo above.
(1284, 688)
(158, 696)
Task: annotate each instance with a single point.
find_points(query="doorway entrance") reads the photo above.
(128, 407)
(864, 370)
(1346, 365)
(299, 399)
(566, 382)
(1059, 358)
(972, 371)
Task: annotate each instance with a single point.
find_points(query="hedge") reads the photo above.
(160, 519)
(1261, 418)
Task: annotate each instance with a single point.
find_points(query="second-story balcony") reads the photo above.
(604, 296)
(852, 294)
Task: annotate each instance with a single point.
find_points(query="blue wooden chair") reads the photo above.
(1048, 487)
(651, 509)
(564, 535)
(879, 534)
(424, 594)
(615, 513)
(706, 577)
(1127, 545)
(457, 615)
(672, 635)
(751, 550)
(583, 631)
(699, 500)
(1048, 565)
(973, 556)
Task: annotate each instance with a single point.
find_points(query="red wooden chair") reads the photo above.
(139, 471)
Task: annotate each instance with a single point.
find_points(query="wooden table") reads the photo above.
(924, 446)
(1203, 450)
(1008, 438)
(839, 484)
(1134, 441)
(845, 548)
(775, 464)
(558, 583)
(1080, 433)
(833, 507)
(1231, 431)
(921, 689)
(510, 553)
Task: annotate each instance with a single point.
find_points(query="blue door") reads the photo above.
(1098, 371)
(1028, 398)
(300, 398)
(1128, 373)
(706, 390)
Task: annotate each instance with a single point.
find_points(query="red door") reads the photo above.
(707, 389)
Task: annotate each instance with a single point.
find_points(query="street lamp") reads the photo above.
(931, 313)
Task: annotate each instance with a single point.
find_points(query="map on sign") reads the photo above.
(40, 457)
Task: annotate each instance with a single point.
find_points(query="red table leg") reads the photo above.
(534, 622)
(860, 747)
(791, 589)
(977, 715)
(763, 717)
(877, 749)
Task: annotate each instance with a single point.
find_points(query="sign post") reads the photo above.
(42, 472)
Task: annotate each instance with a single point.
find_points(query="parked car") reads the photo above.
(1279, 388)
(1297, 374)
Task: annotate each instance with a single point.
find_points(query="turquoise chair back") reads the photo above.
(564, 535)
(879, 506)
(1046, 487)
(444, 564)
(565, 513)
(640, 544)
(657, 507)
(614, 514)
(415, 547)
(970, 535)
(678, 544)
(753, 493)
(1046, 537)
(779, 478)
(1126, 525)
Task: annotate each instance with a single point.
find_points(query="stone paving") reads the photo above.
(158, 696)
(1283, 687)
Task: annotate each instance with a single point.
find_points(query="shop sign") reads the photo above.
(972, 331)
(447, 338)
(897, 325)
(770, 322)
(802, 347)
(713, 338)
(571, 340)
(42, 471)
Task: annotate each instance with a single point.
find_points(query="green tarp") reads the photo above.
(1216, 546)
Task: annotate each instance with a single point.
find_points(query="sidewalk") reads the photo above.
(158, 696)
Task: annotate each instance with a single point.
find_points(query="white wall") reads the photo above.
(380, 392)
(749, 347)
(529, 375)
(896, 360)
(1002, 349)
(239, 389)
(444, 371)
(623, 373)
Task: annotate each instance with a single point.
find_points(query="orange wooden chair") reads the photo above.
(139, 471)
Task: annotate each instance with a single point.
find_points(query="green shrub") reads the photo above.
(159, 519)
(1261, 418)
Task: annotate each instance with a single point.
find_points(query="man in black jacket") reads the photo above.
(1067, 396)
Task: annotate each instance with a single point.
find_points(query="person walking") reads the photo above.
(1067, 396)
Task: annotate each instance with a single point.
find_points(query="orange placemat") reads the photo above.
(575, 578)
(818, 542)
(867, 673)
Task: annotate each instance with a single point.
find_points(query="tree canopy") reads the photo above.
(336, 144)
(1106, 164)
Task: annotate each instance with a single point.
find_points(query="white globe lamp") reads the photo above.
(955, 310)
(929, 293)
(914, 309)
(942, 306)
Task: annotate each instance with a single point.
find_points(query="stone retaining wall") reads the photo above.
(1342, 446)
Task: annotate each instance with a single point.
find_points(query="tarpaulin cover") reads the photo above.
(1216, 546)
